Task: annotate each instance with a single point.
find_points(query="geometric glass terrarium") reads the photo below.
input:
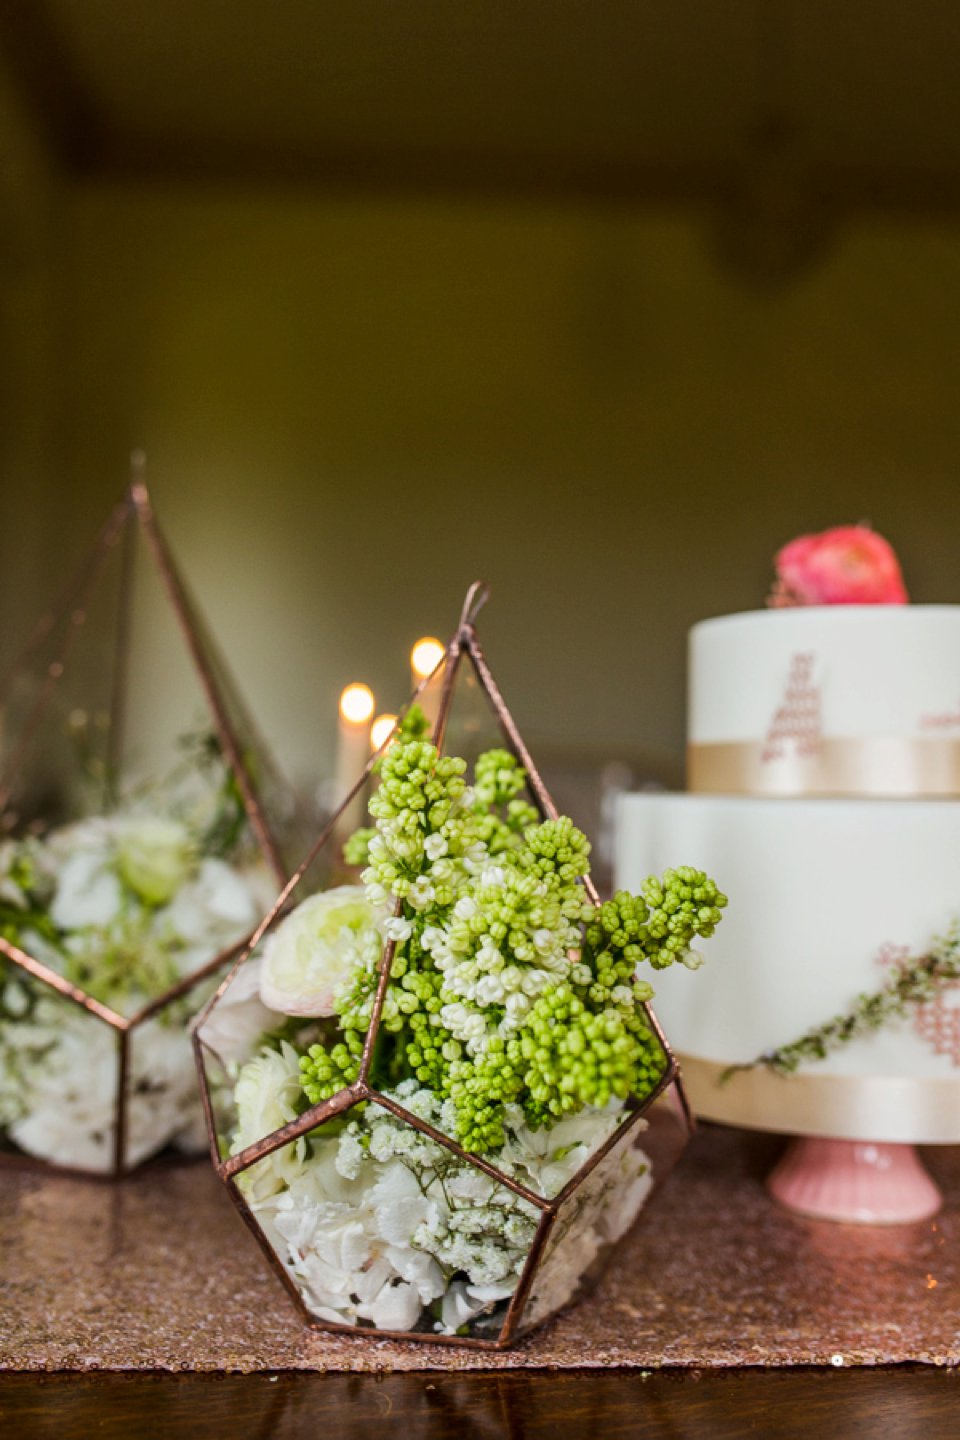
(438, 1097)
(142, 828)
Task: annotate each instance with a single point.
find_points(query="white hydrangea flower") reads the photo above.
(68, 1085)
(135, 908)
(213, 911)
(88, 891)
(59, 1101)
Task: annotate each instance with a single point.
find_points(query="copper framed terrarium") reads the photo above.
(143, 826)
(402, 1178)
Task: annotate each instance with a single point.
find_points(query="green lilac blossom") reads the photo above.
(412, 725)
(506, 987)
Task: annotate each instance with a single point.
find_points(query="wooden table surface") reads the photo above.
(906, 1403)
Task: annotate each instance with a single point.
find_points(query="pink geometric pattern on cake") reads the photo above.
(796, 722)
(937, 1023)
(890, 954)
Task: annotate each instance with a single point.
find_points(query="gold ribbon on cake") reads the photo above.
(918, 1110)
(878, 765)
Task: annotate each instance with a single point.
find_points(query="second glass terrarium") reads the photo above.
(436, 1091)
(142, 837)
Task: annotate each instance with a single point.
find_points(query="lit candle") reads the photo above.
(356, 707)
(425, 656)
(381, 730)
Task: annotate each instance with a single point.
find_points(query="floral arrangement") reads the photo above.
(847, 565)
(512, 1032)
(123, 906)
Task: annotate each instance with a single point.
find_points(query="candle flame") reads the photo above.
(357, 704)
(426, 656)
(380, 730)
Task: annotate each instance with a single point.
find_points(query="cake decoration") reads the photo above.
(796, 723)
(847, 565)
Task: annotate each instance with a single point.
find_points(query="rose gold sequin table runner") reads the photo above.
(158, 1273)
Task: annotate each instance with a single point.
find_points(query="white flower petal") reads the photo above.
(397, 1307)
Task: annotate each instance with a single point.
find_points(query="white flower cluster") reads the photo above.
(446, 857)
(116, 875)
(59, 1079)
(380, 1225)
(480, 974)
(126, 907)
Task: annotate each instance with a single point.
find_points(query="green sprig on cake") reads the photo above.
(915, 982)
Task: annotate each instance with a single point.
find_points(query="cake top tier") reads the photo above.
(833, 699)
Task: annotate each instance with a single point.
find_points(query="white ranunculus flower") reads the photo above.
(317, 950)
(155, 856)
(267, 1095)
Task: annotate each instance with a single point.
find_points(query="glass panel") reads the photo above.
(472, 725)
(251, 1063)
(381, 1228)
(599, 1211)
(169, 728)
(59, 699)
(163, 1099)
(59, 1076)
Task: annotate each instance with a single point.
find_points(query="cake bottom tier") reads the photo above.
(827, 898)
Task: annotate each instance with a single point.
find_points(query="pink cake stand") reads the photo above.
(862, 1181)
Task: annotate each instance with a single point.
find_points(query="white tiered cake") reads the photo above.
(842, 708)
